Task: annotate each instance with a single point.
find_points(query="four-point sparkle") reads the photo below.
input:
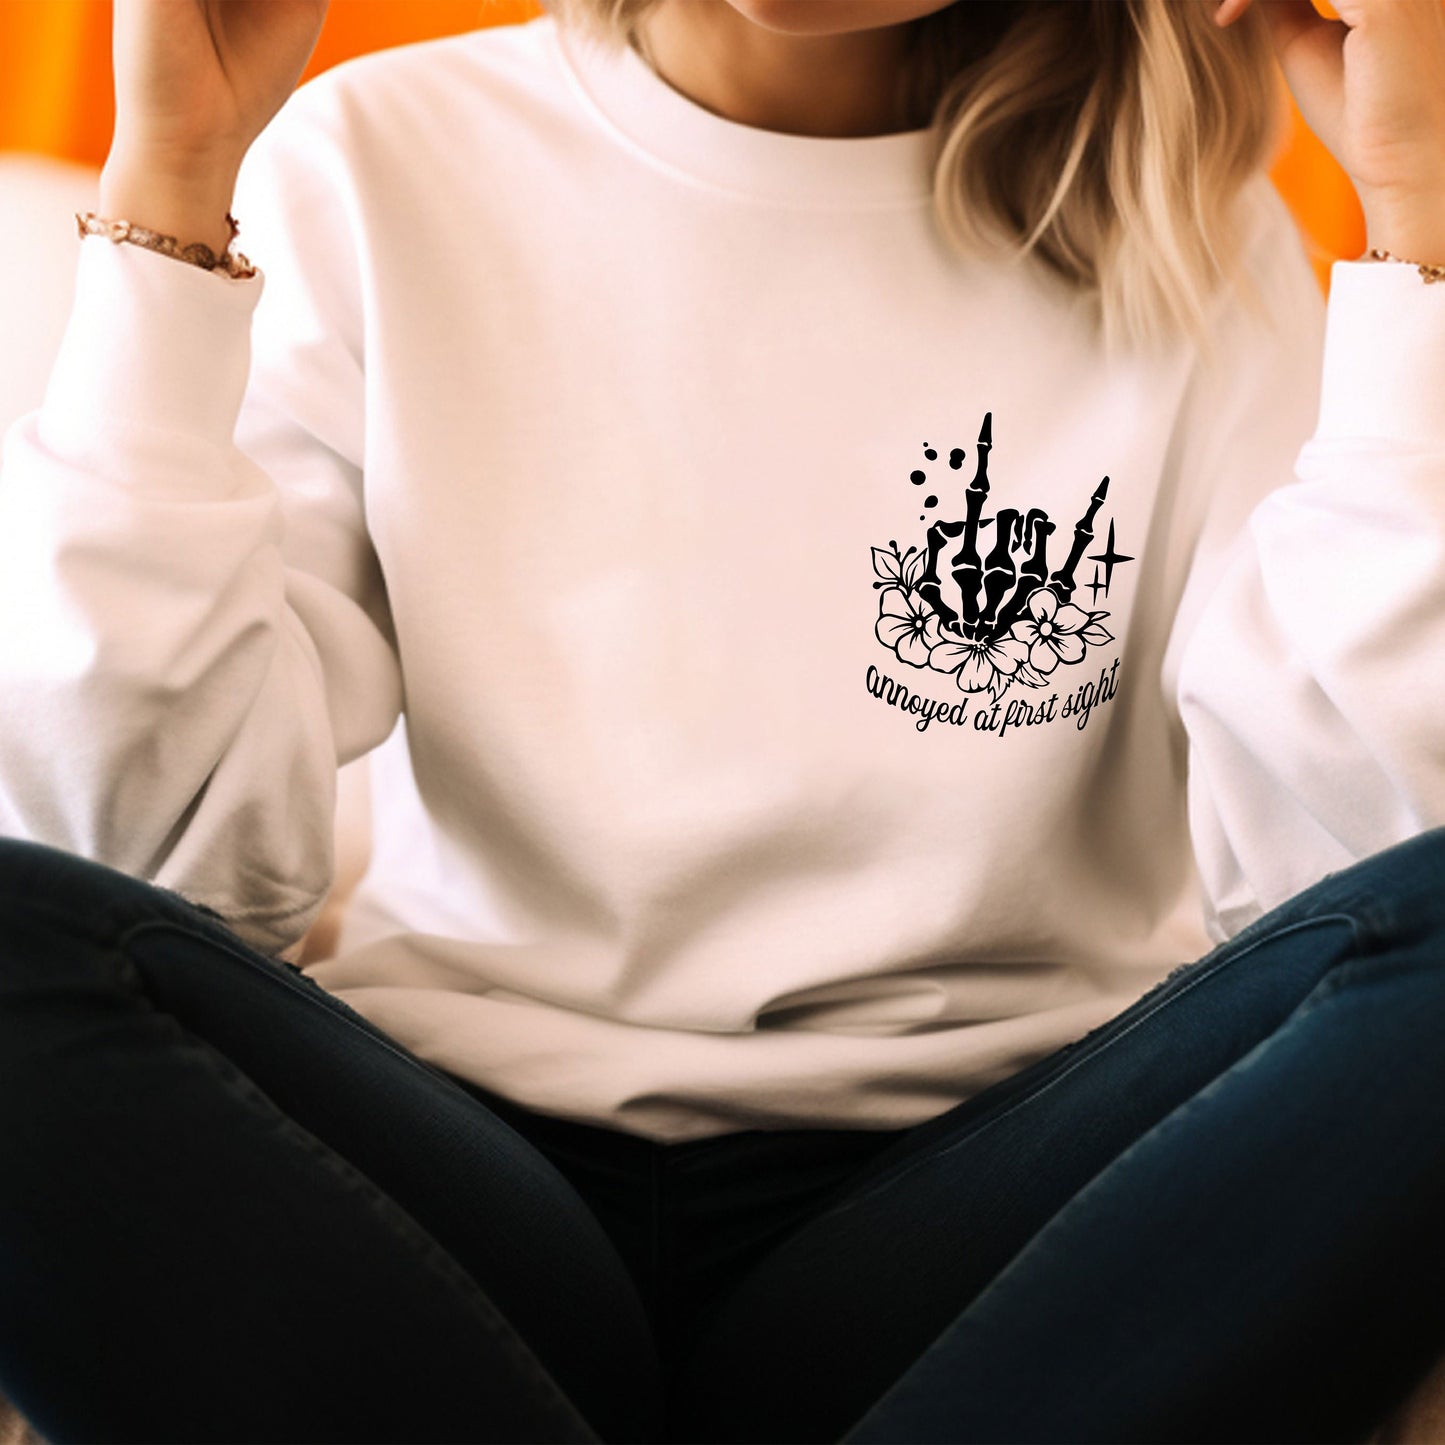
(1110, 558)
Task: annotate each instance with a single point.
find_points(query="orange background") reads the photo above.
(56, 95)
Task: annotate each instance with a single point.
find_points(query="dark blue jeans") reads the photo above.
(233, 1210)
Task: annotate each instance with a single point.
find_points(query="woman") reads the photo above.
(828, 523)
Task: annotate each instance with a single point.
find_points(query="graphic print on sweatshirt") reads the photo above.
(989, 620)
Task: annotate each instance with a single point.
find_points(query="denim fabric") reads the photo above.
(233, 1209)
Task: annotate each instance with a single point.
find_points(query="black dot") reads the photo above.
(929, 452)
(930, 501)
(917, 478)
(955, 458)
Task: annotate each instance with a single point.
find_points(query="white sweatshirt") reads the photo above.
(780, 719)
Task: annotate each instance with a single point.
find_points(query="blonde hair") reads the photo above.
(1110, 140)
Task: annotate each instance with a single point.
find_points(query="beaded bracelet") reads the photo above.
(197, 253)
(1428, 272)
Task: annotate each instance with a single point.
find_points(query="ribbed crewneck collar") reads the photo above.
(645, 113)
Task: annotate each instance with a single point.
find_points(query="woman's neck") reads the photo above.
(821, 85)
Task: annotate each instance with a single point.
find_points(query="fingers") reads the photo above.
(1310, 50)
(1311, 53)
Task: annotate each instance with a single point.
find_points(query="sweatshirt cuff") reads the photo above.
(1384, 355)
(151, 342)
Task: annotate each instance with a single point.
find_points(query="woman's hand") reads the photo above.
(196, 81)
(200, 79)
(1371, 85)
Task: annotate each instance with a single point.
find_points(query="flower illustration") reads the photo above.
(985, 666)
(907, 624)
(1030, 676)
(1055, 632)
(897, 569)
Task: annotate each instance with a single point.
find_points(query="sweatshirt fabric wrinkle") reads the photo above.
(804, 678)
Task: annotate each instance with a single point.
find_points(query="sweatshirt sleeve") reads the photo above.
(1308, 656)
(195, 631)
